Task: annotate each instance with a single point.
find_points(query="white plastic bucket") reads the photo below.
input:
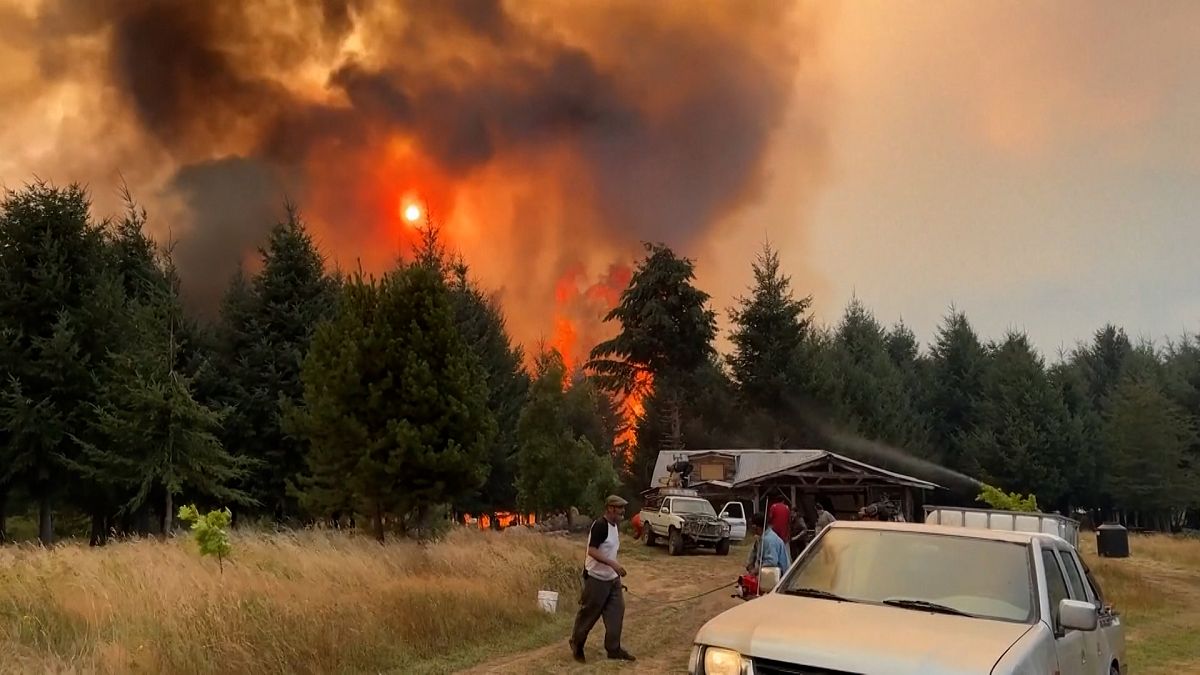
(548, 601)
(768, 579)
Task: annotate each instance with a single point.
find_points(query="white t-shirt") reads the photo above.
(607, 540)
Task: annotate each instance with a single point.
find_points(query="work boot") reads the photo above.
(622, 655)
(576, 652)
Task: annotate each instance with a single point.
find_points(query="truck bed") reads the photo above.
(1012, 521)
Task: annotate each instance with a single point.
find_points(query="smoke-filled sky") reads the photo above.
(1030, 163)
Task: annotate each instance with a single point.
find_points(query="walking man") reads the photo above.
(602, 594)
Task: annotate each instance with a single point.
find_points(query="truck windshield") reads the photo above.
(692, 506)
(979, 577)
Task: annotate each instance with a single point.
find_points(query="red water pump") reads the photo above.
(747, 587)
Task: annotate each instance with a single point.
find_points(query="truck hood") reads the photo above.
(860, 638)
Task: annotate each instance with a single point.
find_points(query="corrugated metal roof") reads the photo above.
(755, 463)
(750, 463)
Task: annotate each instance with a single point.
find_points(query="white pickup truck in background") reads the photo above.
(686, 520)
(908, 599)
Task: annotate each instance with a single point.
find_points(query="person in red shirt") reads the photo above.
(779, 514)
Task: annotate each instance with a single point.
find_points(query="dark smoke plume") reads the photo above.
(661, 112)
(810, 415)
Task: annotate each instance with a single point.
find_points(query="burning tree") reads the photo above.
(667, 333)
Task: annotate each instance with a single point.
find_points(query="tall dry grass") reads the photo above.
(288, 603)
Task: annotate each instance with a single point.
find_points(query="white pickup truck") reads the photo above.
(908, 599)
(687, 520)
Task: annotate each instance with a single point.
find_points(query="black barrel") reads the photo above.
(1112, 541)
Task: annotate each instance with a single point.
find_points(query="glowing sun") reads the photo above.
(411, 213)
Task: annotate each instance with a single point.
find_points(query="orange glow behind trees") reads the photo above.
(415, 191)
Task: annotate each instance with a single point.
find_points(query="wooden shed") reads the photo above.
(801, 476)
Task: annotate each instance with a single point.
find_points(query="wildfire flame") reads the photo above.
(633, 408)
(503, 519)
(579, 309)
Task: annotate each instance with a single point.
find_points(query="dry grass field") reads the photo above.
(307, 602)
(313, 602)
(1157, 591)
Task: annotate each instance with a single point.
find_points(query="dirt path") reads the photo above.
(660, 635)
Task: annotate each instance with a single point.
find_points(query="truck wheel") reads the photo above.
(675, 542)
(650, 538)
(723, 547)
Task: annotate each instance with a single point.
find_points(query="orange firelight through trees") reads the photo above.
(504, 519)
(580, 304)
(633, 408)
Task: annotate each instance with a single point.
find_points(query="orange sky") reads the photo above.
(1034, 164)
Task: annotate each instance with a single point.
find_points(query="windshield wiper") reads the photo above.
(924, 605)
(815, 593)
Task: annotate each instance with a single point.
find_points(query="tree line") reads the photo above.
(1109, 428)
(391, 401)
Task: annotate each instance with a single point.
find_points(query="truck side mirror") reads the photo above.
(1078, 615)
(664, 510)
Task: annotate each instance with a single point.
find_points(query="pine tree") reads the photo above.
(958, 370)
(481, 323)
(591, 414)
(267, 325)
(916, 374)
(872, 394)
(665, 342)
(1182, 384)
(769, 327)
(147, 433)
(666, 325)
(1021, 435)
(693, 410)
(1147, 437)
(557, 468)
(395, 403)
(55, 309)
(1103, 363)
(345, 411)
(133, 276)
(1084, 471)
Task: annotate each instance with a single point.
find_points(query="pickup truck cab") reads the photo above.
(686, 520)
(899, 598)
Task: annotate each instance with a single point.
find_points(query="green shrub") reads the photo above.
(209, 532)
(1007, 501)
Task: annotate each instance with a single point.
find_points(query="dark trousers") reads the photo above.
(600, 599)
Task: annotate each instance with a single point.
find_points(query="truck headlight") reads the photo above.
(719, 661)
